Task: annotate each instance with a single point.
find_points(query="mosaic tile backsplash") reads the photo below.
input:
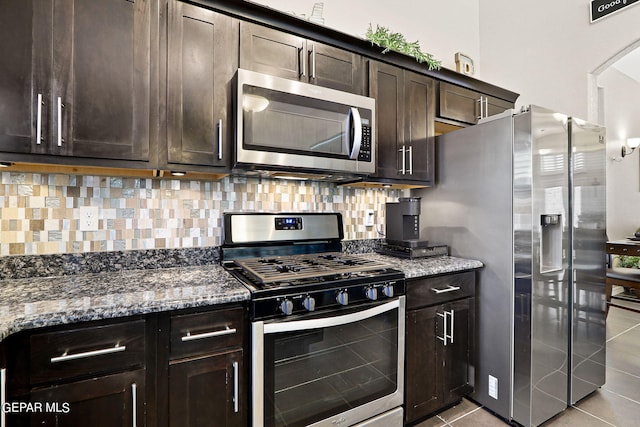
(40, 213)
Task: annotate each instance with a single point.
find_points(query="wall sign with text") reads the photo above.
(602, 8)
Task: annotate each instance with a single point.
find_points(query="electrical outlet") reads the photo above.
(88, 218)
(369, 217)
(493, 387)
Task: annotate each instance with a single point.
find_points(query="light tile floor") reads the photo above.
(617, 403)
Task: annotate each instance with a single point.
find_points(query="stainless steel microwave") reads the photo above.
(286, 125)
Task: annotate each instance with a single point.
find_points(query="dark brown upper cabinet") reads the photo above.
(467, 106)
(75, 78)
(404, 124)
(202, 60)
(293, 57)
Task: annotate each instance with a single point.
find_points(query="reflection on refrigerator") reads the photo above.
(524, 193)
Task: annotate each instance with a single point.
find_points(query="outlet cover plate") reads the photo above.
(89, 218)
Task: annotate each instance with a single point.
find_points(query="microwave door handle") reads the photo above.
(356, 122)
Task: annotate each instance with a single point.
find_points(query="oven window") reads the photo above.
(314, 374)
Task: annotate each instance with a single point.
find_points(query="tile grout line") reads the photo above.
(624, 332)
(594, 416)
(461, 416)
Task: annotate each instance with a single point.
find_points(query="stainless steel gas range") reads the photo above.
(327, 327)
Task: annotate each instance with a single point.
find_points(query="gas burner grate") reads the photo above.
(295, 267)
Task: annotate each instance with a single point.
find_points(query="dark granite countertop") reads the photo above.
(430, 266)
(47, 301)
(34, 302)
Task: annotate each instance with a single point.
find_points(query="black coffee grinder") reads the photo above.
(403, 223)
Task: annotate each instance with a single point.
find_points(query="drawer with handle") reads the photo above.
(622, 249)
(86, 351)
(435, 290)
(205, 332)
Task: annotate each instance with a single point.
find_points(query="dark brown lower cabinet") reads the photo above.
(180, 369)
(439, 343)
(109, 401)
(205, 391)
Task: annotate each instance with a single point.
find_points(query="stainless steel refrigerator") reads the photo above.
(525, 193)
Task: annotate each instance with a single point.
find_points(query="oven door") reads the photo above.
(287, 124)
(339, 369)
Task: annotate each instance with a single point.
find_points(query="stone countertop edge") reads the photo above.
(48, 301)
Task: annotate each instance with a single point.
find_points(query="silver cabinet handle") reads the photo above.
(447, 334)
(312, 65)
(303, 61)
(447, 289)
(451, 327)
(235, 387)
(443, 338)
(134, 399)
(3, 396)
(481, 101)
(404, 161)
(60, 107)
(65, 357)
(486, 106)
(190, 337)
(39, 121)
(220, 139)
(410, 160)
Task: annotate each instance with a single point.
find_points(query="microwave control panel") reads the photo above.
(365, 146)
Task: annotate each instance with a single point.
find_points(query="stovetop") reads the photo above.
(292, 264)
(277, 270)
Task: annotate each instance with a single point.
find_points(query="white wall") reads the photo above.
(545, 49)
(623, 177)
(442, 28)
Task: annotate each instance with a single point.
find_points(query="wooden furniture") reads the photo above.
(620, 276)
(182, 368)
(404, 125)
(440, 325)
(206, 369)
(281, 54)
(76, 82)
(202, 60)
(143, 87)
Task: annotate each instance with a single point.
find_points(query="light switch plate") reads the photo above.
(89, 218)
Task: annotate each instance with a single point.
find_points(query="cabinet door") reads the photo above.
(419, 97)
(335, 68)
(202, 59)
(24, 49)
(110, 401)
(459, 104)
(386, 86)
(422, 370)
(272, 52)
(496, 105)
(101, 78)
(207, 391)
(457, 354)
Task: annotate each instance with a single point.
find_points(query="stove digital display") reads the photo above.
(289, 223)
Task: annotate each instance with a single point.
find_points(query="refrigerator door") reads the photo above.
(588, 333)
(542, 227)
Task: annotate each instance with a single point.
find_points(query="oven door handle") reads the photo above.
(325, 322)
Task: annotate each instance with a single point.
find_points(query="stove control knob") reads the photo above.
(286, 306)
(342, 298)
(387, 290)
(309, 303)
(371, 293)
